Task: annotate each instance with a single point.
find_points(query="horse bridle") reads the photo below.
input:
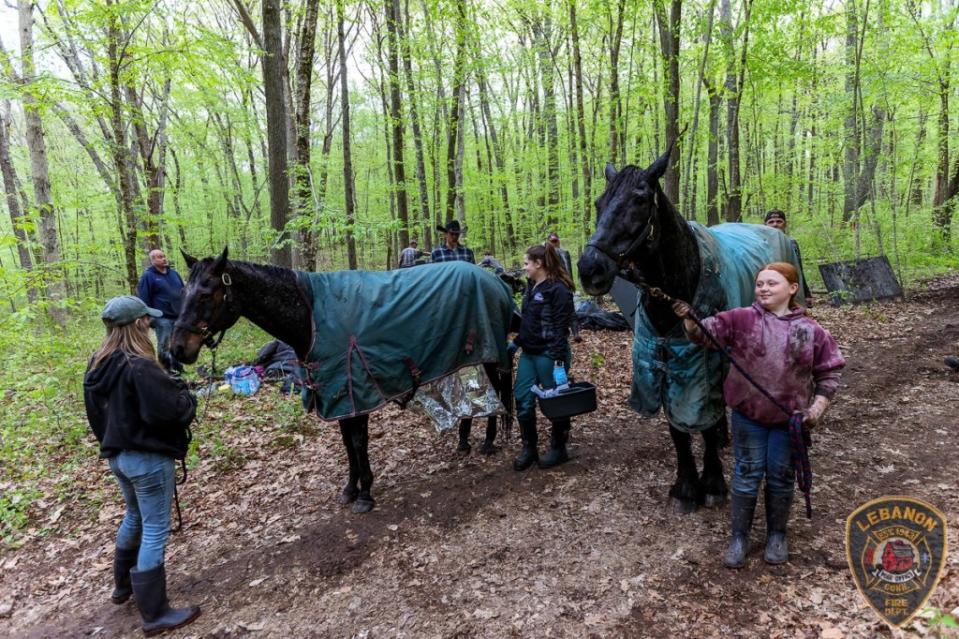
(205, 333)
(625, 258)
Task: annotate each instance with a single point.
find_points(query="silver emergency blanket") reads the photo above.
(466, 393)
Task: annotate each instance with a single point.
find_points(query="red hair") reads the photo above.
(789, 272)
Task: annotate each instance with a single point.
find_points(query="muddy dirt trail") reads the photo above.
(466, 547)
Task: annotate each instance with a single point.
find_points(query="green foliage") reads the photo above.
(792, 115)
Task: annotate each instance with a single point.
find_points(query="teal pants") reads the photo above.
(533, 369)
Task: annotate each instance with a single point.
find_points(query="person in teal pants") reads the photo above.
(545, 356)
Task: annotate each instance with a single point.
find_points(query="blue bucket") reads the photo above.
(243, 379)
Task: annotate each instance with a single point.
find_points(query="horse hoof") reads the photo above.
(714, 501)
(682, 506)
(347, 496)
(488, 449)
(363, 506)
(464, 449)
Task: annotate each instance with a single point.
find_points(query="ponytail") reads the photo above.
(552, 264)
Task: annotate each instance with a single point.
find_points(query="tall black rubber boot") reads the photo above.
(557, 445)
(123, 560)
(149, 590)
(528, 456)
(742, 509)
(777, 518)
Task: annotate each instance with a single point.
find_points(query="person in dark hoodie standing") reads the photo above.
(141, 417)
(161, 287)
(545, 359)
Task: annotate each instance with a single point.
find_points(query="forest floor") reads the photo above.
(466, 547)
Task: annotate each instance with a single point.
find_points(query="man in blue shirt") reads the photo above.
(451, 250)
(161, 287)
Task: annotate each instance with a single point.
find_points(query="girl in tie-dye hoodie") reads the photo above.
(797, 361)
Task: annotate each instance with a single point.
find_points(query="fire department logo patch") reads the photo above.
(896, 547)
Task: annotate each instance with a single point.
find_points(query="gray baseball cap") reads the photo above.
(124, 309)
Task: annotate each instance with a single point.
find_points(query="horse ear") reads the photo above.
(658, 167)
(190, 260)
(220, 264)
(610, 172)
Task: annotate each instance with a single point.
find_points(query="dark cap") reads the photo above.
(122, 310)
(775, 213)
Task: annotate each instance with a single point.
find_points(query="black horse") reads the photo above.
(639, 231)
(220, 290)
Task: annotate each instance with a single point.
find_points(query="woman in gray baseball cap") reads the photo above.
(141, 417)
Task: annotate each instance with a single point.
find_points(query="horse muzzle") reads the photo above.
(185, 345)
(596, 271)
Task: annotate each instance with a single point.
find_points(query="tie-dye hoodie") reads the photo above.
(792, 357)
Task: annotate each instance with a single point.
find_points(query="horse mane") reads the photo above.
(244, 267)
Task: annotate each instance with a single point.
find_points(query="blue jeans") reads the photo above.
(533, 369)
(761, 450)
(146, 481)
(163, 327)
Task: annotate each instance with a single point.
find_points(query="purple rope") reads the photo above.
(799, 443)
(799, 439)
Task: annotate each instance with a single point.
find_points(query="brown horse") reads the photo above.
(220, 290)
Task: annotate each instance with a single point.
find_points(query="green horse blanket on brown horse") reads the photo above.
(378, 335)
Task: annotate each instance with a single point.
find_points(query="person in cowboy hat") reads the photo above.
(452, 250)
(776, 219)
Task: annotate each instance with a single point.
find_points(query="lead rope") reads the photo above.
(206, 406)
(799, 438)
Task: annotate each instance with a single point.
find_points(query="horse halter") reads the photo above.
(205, 333)
(624, 259)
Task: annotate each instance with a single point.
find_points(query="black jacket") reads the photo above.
(132, 404)
(547, 313)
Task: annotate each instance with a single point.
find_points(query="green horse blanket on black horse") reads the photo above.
(673, 373)
(378, 335)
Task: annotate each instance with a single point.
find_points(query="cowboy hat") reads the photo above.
(452, 226)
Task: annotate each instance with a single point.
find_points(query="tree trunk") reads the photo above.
(735, 80)
(348, 188)
(453, 137)
(121, 152)
(396, 119)
(152, 150)
(490, 126)
(581, 122)
(542, 32)
(615, 106)
(302, 175)
(40, 172)
(13, 204)
(417, 135)
(689, 174)
(669, 45)
(276, 123)
(850, 167)
(712, 162)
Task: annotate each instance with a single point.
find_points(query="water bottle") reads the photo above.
(559, 376)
